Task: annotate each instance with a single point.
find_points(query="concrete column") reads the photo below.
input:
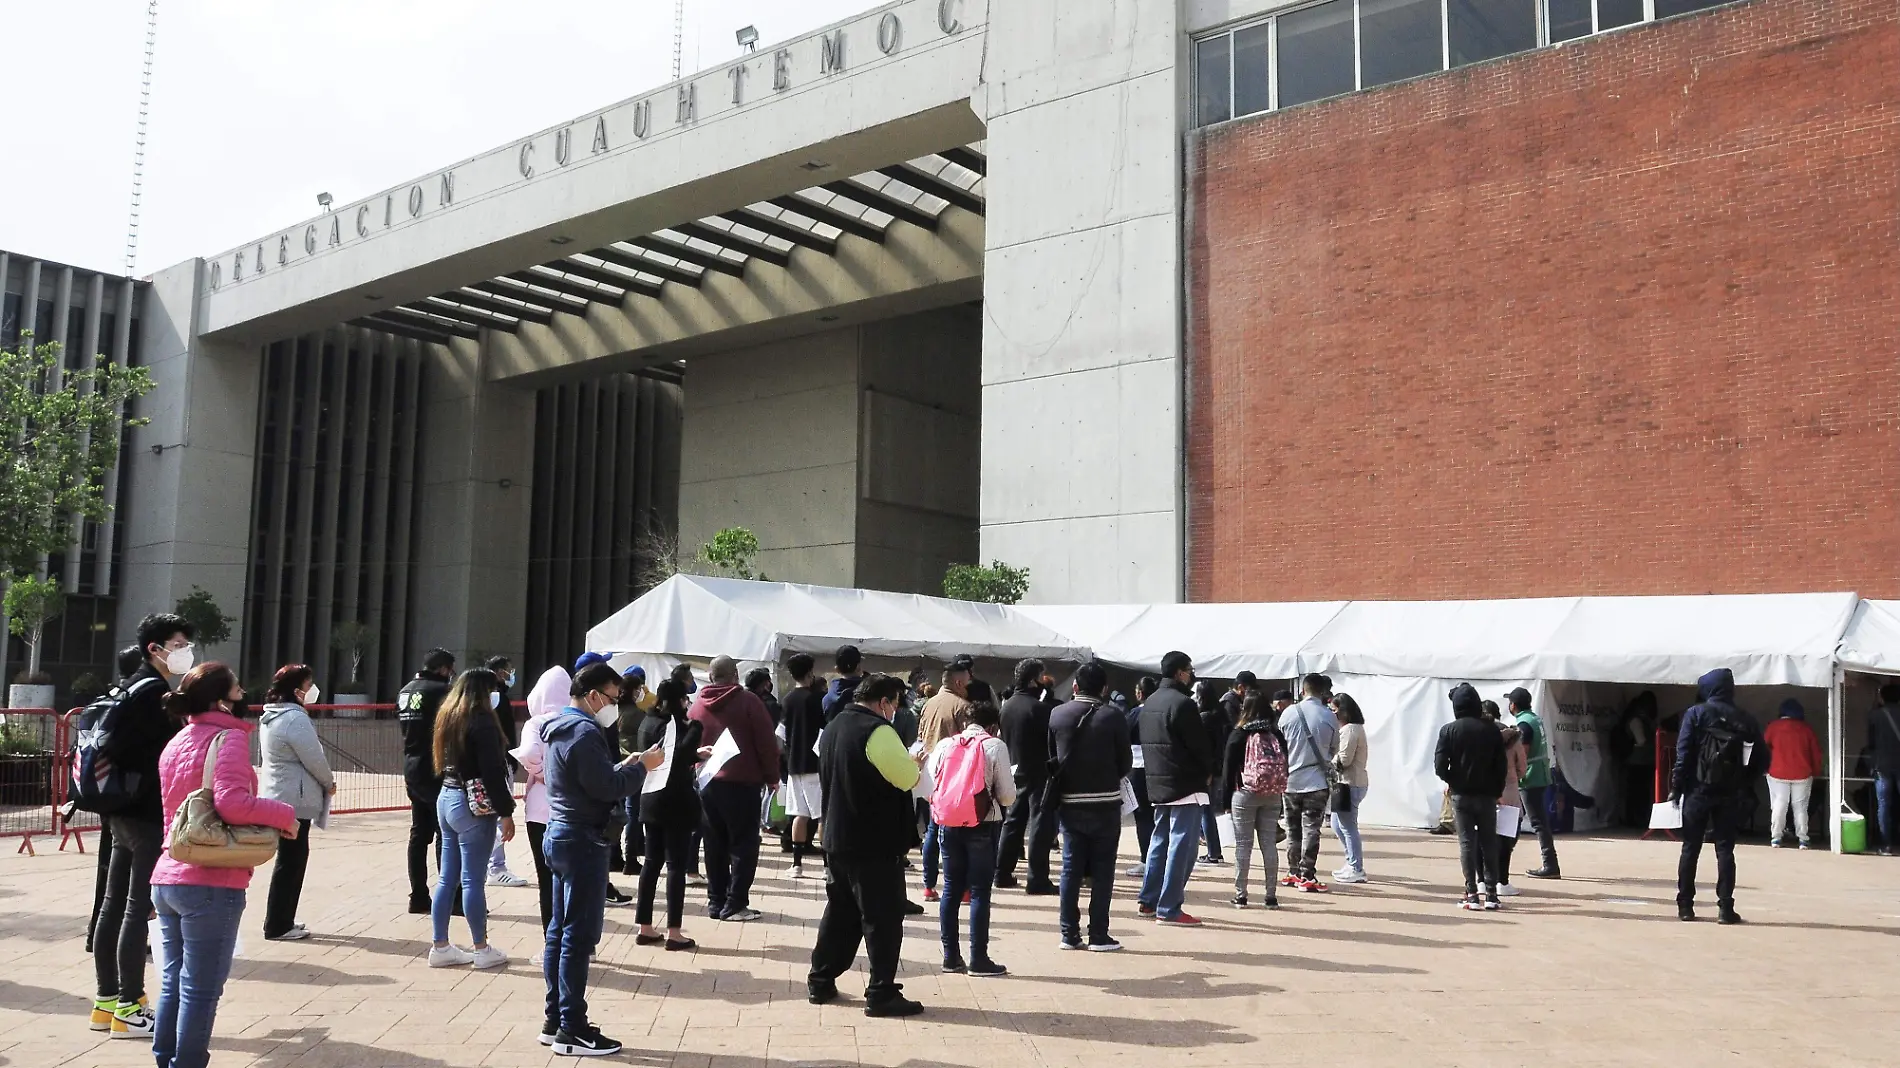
(477, 461)
(1082, 353)
(191, 466)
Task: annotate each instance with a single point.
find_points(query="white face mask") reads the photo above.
(608, 715)
(178, 661)
(310, 695)
(494, 699)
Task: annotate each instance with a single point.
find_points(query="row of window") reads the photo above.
(1337, 46)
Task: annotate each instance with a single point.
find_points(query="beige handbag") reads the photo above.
(200, 837)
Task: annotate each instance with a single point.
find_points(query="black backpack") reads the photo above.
(1720, 761)
(98, 783)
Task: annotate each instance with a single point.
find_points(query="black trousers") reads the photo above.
(1537, 804)
(286, 881)
(635, 844)
(423, 833)
(99, 883)
(1477, 822)
(732, 844)
(1027, 831)
(543, 875)
(669, 846)
(1718, 817)
(864, 902)
(121, 935)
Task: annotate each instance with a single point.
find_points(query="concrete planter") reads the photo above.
(26, 780)
(352, 699)
(30, 695)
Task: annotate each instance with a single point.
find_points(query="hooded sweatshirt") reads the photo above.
(1794, 753)
(1717, 690)
(295, 770)
(584, 783)
(1470, 755)
(721, 707)
(545, 702)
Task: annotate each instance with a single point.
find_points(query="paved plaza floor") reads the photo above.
(1594, 970)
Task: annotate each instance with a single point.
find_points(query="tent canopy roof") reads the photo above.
(1872, 642)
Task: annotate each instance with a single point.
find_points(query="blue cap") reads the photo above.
(635, 672)
(588, 659)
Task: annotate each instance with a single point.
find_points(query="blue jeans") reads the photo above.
(934, 853)
(1210, 832)
(969, 863)
(1887, 808)
(1177, 835)
(1090, 836)
(578, 858)
(197, 928)
(467, 841)
(1346, 829)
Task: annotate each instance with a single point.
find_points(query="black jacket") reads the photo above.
(1883, 737)
(804, 718)
(1717, 690)
(1219, 722)
(1026, 733)
(416, 706)
(1470, 756)
(1235, 752)
(484, 757)
(677, 803)
(1174, 745)
(142, 730)
(1093, 758)
(865, 816)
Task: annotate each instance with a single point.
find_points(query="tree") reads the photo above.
(998, 583)
(351, 639)
(209, 625)
(63, 429)
(30, 602)
(730, 554)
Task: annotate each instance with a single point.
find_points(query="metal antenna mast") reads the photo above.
(138, 151)
(679, 37)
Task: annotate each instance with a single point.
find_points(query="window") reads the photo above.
(1399, 39)
(1316, 53)
(1571, 19)
(1486, 29)
(1211, 79)
(1253, 83)
(1612, 14)
(1668, 8)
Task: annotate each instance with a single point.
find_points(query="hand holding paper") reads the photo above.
(723, 750)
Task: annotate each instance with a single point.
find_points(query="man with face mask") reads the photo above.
(416, 706)
(142, 730)
(1179, 762)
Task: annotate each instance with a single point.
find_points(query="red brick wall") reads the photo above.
(1613, 318)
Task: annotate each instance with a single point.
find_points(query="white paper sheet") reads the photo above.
(815, 742)
(1129, 804)
(656, 779)
(1508, 817)
(1666, 816)
(723, 750)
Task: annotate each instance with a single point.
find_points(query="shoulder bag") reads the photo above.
(200, 836)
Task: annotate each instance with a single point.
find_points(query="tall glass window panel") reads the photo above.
(1210, 79)
(1399, 39)
(1487, 29)
(1569, 20)
(1614, 13)
(1316, 53)
(1252, 79)
(1667, 8)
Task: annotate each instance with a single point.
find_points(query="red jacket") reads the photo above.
(722, 707)
(1794, 751)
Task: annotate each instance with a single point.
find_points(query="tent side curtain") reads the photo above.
(1872, 641)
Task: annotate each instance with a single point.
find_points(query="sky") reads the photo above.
(259, 105)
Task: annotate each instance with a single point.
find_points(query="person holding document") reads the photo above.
(1511, 803)
(669, 811)
(744, 761)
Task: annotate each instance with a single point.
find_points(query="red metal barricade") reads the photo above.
(32, 783)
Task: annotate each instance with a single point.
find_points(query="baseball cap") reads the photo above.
(582, 662)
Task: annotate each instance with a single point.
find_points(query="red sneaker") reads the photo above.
(1312, 886)
(1289, 880)
(930, 894)
(966, 897)
(1181, 920)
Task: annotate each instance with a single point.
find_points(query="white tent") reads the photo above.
(1872, 641)
(692, 617)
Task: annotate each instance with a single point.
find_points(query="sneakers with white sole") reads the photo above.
(489, 957)
(132, 1021)
(1349, 876)
(504, 877)
(297, 933)
(590, 1043)
(1507, 890)
(449, 956)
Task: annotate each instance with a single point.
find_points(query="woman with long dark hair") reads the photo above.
(198, 907)
(1350, 762)
(475, 797)
(1254, 766)
(668, 814)
(297, 773)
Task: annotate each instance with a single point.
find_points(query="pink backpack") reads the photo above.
(962, 795)
(1263, 772)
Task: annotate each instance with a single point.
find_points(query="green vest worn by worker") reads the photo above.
(1537, 769)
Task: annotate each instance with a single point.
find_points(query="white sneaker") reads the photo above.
(489, 957)
(797, 872)
(1506, 890)
(504, 877)
(449, 956)
(297, 933)
(536, 960)
(1349, 876)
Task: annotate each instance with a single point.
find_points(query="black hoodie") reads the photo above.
(677, 803)
(1470, 756)
(1717, 691)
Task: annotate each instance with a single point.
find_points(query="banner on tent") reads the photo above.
(1579, 716)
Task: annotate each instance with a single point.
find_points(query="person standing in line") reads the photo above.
(1138, 776)
(1026, 734)
(608, 720)
(945, 715)
(850, 663)
(141, 731)
(1311, 744)
(1091, 759)
(670, 812)
(584, 786)
(866, 777)
(758, 682)
(297, 773)
(475, 800)
(1717, 752)
(1255, 765)
(1218, 720)
(731, 799)
(1536, 784)
(416, 706)
(1349, 764)
(504, 669)
(1470, 759)
(636, 700)
(1794, 759)
(1883, 736)
(1515, 761)
(804, 718)
(977, 761)
(130, 659)
(545, 701)
(199, 908)
(1180, 765)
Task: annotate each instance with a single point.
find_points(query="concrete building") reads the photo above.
(1162, 299)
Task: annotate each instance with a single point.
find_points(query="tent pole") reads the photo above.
(1836, 753)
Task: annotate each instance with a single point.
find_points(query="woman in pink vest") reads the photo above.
(199, 908)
